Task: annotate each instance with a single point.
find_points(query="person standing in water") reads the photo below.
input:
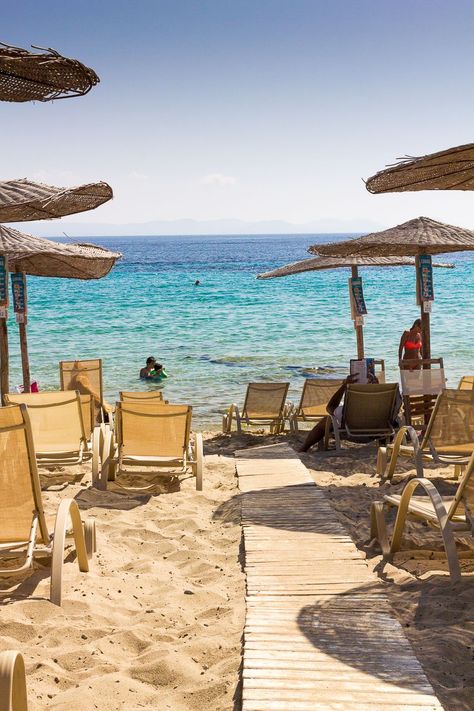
(145, 372)
(411, 344)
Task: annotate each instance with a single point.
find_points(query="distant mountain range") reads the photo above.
(57, 228)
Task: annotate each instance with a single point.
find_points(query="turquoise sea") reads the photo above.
(216, 337)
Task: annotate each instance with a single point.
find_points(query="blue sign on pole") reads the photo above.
(19, 293)
(3, 281)
(357, 292)
(425, 278)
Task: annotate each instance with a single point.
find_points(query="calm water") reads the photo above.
(215, 338)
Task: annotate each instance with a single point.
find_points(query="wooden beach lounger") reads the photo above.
(143, 395)
(13, 695)
(264, 405)
(420, 388)
(368, 414)
(61, 438)
(450, 515)
(448, 438)
(152, 436)
(314, 399)
(23, 528)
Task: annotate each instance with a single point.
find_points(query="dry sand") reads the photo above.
(157, 623)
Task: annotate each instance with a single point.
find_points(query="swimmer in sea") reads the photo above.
(145, 372)
(197, 282)
(158, 372)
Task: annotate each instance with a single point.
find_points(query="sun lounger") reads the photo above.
(315, 396)
(23, 528)
(264, 405)
(85, 376)
(369, 412)
(13, 695)
(420, 388)
(59, 433)
(152, 436)
(451, 515)
(448, 438)
(143, 396)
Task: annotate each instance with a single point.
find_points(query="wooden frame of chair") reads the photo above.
(418, 407)
(438, 512)
(40, 542)
(275, 420)
(13, 695)
(116, 463)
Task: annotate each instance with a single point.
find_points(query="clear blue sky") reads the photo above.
(261, 109)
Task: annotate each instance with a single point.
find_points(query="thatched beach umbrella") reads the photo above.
(24, 200)
(41, 76)
(452, 169)
(420, 238)
(25, 254)
(319, 263)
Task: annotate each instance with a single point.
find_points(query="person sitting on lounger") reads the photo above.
(335, 408)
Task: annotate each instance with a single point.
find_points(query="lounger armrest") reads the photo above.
(12, 682)
(441, 514)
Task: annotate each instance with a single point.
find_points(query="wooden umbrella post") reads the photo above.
(4, 374)
(359, 329)
(20, 307)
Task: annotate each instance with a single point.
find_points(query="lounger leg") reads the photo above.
(378, 527)
(13, 695)
(381, 461)
(68, 508)
(96, 437)
(107, 471)
(90, 537)
(198, 463)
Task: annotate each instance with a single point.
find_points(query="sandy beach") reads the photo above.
(158, 621)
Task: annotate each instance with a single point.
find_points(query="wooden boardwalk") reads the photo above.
(319, 632)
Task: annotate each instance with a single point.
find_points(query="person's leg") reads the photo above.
(315, 435)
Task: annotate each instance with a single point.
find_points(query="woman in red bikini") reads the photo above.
(410, 344)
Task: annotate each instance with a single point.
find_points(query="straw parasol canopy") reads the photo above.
(419, 236)
(24, 200)
(319, 263)
(452, 169)
(41, 76)
(42, 257)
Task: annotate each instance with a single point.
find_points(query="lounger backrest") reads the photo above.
(423, 382)
(74, 372)
(20, 493)
(265, 400)
(466, 382)
(141, 395)
(369, 408)
(56, 419)
(316, 395)
(152, 429)
(452, 421)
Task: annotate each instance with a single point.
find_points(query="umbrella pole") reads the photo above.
(359, 329)
(25, 360)
(4, 384)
